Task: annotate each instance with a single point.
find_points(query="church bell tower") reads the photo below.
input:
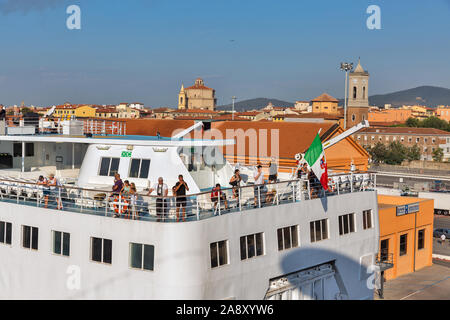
(358, 100)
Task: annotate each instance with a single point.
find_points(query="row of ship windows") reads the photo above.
(142, 255)
(139, 168)
(253, 245)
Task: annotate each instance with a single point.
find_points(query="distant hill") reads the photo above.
(425, 95)
(257, 103)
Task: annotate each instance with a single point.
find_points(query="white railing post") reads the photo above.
(293, 192)
(259, 196)
(239, 198)
(351, 182)
(337, 186)
(198, 211)
(120, 205)
(219, 204)
(309, 189)
(106, 205)
(82, 201)
(277, 192)
(59, 199)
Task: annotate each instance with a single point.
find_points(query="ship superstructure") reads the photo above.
(286, 240)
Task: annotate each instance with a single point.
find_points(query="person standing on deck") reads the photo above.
(179, 191)
(161, 191)
(55, 190)
(273, 171)
(259, 181)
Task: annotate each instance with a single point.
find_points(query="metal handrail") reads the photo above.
(197, 206)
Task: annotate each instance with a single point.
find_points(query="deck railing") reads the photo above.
(141, 206)
(94, 126)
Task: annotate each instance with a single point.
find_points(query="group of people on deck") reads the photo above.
(258, 182)
(49, 188)
(128, 191)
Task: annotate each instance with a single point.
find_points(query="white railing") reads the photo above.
(199, 206)
(80, 126)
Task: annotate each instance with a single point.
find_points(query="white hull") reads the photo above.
(182, 253)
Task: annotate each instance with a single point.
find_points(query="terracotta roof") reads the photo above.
(106, 111)
(405, 130)
(294, 137)
(198, 87)
(247, 113)
(195, 111)
(149, 127)
(313, 115)
(324, 97)
(162, 110)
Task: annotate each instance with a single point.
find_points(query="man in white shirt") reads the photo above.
(259, 181)
(161, 191)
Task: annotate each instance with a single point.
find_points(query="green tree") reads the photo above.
(413, 153)
(438, 155)
(25, 110)
(412, 122)
(396, 154)
(378, 153)
(434, 122)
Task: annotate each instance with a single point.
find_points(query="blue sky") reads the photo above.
(142, 50)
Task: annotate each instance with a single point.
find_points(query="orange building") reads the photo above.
(390, 115)
(443, 112)
(406, 233)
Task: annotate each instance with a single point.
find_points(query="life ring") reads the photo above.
(117, 207)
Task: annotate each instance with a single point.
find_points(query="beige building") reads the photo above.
(325, 104)
(197, 97)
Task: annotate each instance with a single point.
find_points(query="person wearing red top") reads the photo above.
(216, 193)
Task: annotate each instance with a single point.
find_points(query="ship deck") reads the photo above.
(199, 206)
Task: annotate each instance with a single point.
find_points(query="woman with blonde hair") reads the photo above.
(133, 198)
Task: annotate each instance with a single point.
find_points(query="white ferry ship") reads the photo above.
(296, 241)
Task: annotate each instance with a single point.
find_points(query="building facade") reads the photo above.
(406, 233)
(197, 96)
(427, 139)
(325, 104)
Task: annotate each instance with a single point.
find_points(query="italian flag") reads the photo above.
(315, 156)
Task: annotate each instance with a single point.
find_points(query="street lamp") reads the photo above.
(346, 66)
(232, 114)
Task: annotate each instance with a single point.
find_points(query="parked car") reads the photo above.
(439, 232)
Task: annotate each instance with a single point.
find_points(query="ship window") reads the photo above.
(29, 149)
(142, 256)
(421, 239)
(252, 246)
(367, 219)
(346, 224)
(61, 243)
(219, 253)
(403, 244)
(5, 232)
(101, 250)
(109, 167)
(30, 237)
(287, 238)
(319, 230)
(139, 168)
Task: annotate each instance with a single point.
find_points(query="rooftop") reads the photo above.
(406, 130)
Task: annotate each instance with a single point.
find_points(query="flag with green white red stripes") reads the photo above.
(315, 156)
